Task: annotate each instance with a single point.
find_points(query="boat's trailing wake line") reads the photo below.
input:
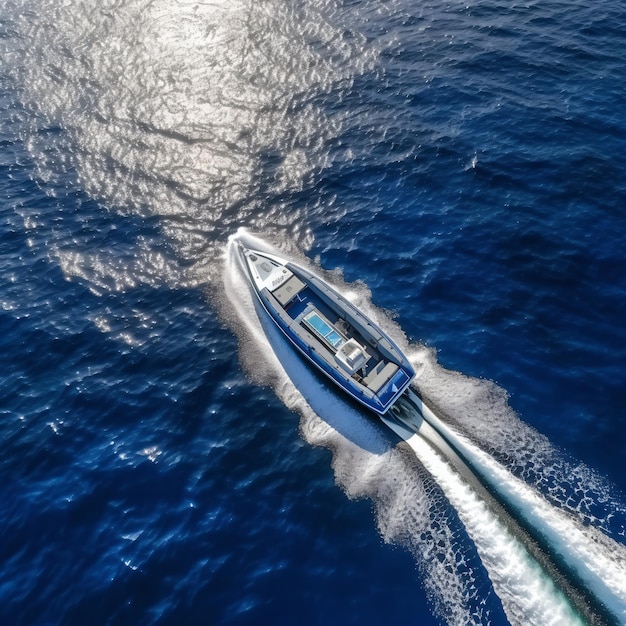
(479, 409)
(528, 595)
(598, 561)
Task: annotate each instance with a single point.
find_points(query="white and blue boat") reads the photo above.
(331, 333)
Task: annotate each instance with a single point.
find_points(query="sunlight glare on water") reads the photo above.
(187, 110)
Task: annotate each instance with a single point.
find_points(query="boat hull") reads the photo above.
(329, 331)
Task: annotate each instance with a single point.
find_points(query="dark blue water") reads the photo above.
(465, 162)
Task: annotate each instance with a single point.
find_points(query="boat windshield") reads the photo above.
(323, 329)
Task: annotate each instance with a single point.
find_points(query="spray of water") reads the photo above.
(479, 409)
(528, 595)
(597, 560)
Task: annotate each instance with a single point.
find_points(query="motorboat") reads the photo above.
(329, 331)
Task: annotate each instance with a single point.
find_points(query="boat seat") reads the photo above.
(379, 375)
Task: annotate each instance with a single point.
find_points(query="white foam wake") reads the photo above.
(480, 410)
(528, 595)
(598, 560)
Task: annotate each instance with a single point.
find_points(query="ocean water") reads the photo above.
(457, 169)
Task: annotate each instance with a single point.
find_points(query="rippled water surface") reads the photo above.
(456, 169)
